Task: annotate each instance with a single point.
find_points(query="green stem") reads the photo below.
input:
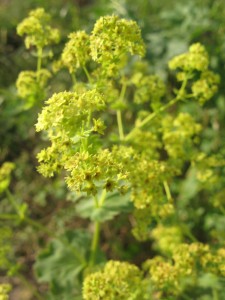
(185, 229)
(89, 119)
(102, 199)
(87, 73)
(118, 112)
(94, 245)
(96, 202)
(151, 117)
(168, 193)
(95, 241)
(120, 124)
(85, 146)
(123, 92)
(189, 234)
(73, 79)
(159, 111)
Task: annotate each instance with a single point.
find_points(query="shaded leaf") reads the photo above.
(114, 204)
(61, 263)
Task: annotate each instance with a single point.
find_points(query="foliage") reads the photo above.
(130, 145)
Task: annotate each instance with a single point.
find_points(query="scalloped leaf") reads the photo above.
(114, 204)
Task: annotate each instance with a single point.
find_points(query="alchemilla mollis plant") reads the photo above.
(124, 141)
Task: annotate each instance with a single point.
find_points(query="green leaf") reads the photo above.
(114, 204)
(208, 280)
(189, 186)
(61, 263)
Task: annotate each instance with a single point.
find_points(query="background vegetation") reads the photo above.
(168, 28)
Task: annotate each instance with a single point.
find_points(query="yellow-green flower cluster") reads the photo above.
(31, 85)
(77, 51)
(195, 59)
(92, 172)
(67, 120)
(66, 111)
(147, 178)
(203, 83)
(117, 281)
(163, 275)
(207, 169)
(37, 30)
(206, 87)
(218, 199)
(5, 175)
(110, 91)
(166, 238)
(146, 142)
(113, 38)
(220, 261)
(5, 288)
(187, 260)
(178, 135)
(142, 229)
(149, 88)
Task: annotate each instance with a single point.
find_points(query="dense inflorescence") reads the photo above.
(99, 156)
(187, 261)
(112, 39)
(76, 53)
(118, 280)
(37, 30)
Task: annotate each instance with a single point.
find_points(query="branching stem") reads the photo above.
(87, 73)
(160, 110)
